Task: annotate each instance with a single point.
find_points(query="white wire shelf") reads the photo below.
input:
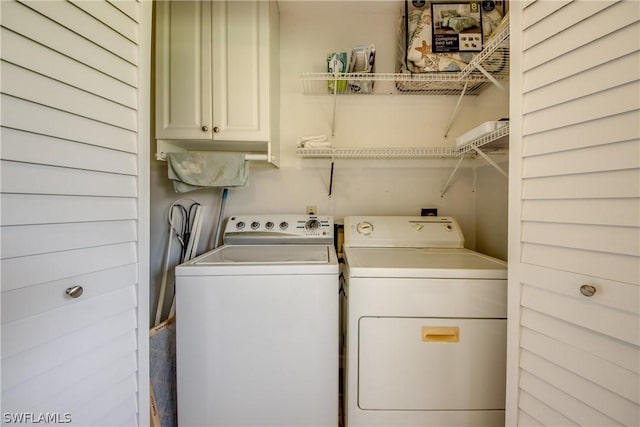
(396, 83)
(493, 140)
(491, 66)
(376, 152)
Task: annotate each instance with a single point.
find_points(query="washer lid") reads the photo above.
(266, 254)
(423, 263)
(240, 260)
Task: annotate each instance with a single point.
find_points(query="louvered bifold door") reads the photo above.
(70, 212)
(574, 331)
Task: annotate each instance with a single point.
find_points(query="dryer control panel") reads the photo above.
(278, 229)
(402, 231)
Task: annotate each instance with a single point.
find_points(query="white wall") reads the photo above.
(310, 30)
(491, 207)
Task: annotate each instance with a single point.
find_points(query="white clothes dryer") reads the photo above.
(426, 325)
(257, 326)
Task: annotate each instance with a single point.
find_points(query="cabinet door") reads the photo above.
(574, 250)
(241, 70)
(183, 70)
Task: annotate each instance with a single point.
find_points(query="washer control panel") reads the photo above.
(278, 228)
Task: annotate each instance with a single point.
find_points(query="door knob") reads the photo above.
(74, 291)
(216, 129)
(588, 290)
(205, 129)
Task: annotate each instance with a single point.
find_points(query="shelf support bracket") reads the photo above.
(335, 102)
(455, 110)
(491, 162)
(489, 76)
(446, 185)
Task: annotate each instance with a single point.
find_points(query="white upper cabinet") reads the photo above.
(217, 71)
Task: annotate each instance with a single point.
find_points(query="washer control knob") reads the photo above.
(240, 225)
(255, 225)
(312, 224)
(364, 228)
(284, 225)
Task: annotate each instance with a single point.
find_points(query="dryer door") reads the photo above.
(431, 364)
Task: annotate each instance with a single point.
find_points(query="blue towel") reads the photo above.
(195, 170)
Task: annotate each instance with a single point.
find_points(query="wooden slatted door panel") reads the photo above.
(21, 209)
(31, 300)
(18, 241)
(577, 357)
(130, 9)
(114, 17)
(79, 47)
(40, 149)
(30, 117)
(30, 390)
(73, 18)
(37, 88)
(28, 271)
(70, 211)
(19, 49)
(54, 179)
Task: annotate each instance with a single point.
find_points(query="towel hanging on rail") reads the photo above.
(195, 170)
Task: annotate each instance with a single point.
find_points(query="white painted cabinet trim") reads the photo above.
(515, 168)
(144, 192)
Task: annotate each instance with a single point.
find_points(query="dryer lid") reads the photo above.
(423, 263)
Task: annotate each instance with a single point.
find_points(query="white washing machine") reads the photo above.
(257, 326)
(426, 325)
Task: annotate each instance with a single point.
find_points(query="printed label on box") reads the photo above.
(457, 27)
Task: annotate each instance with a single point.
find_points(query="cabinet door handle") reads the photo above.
(205, 129)
(588, 290)
(74, 291)
(216, 129)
